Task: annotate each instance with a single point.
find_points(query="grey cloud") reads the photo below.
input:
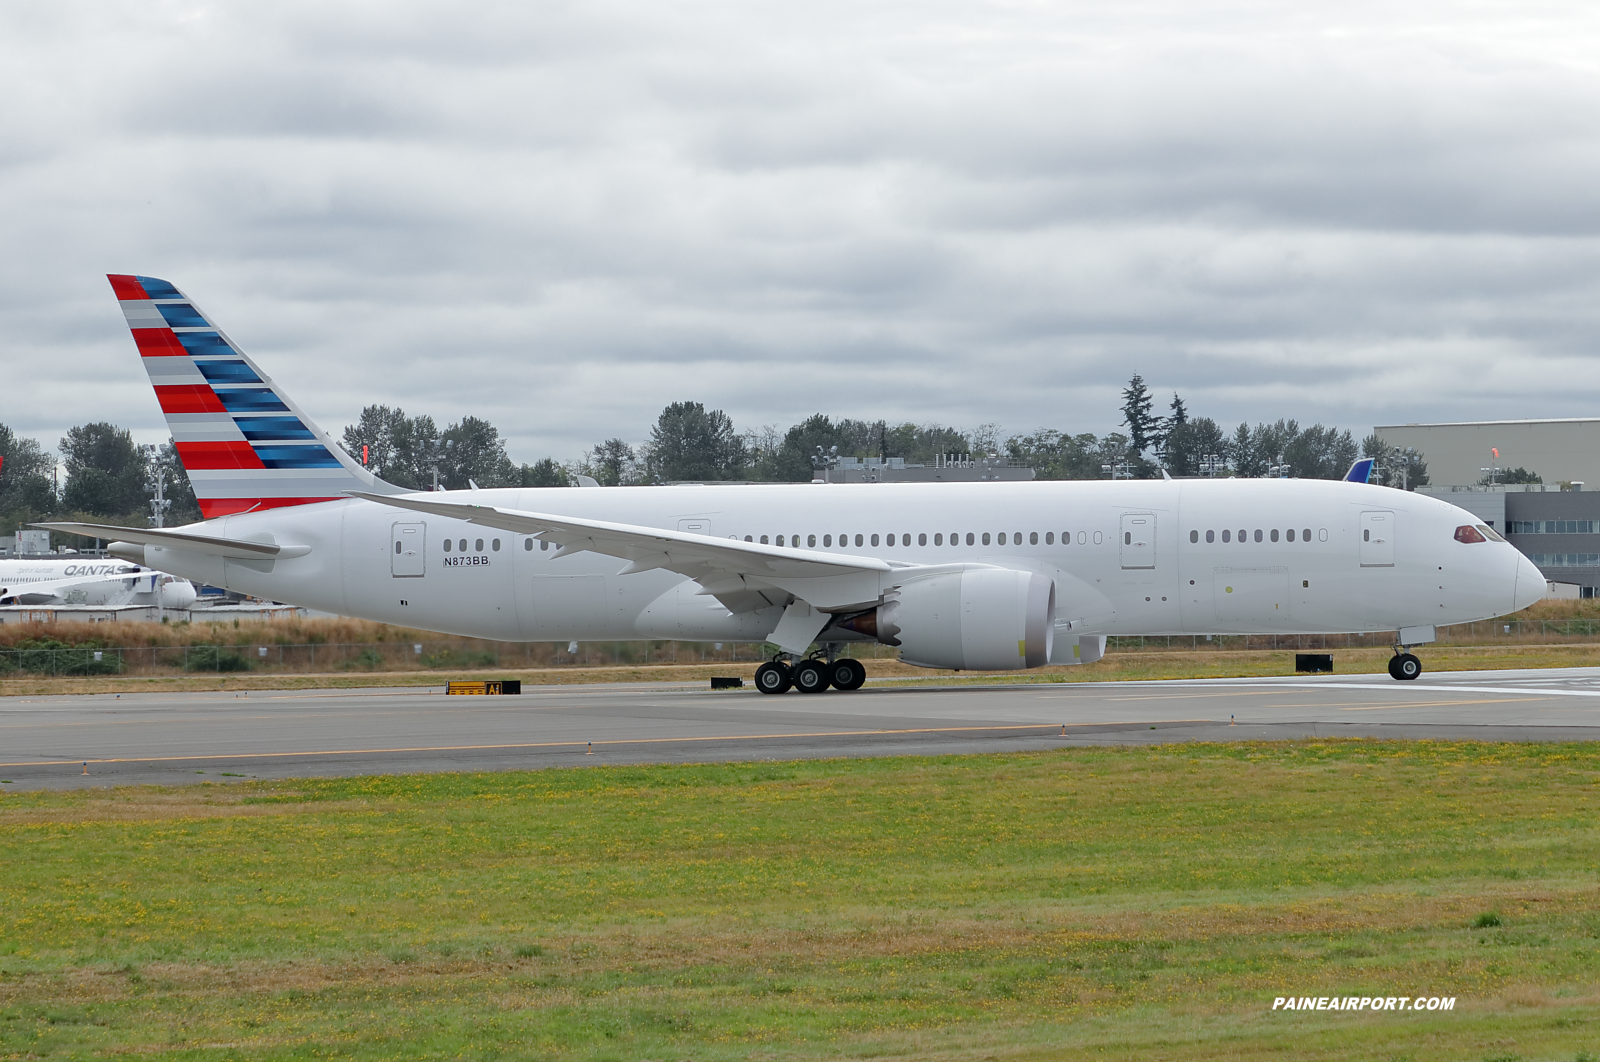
(564, 216)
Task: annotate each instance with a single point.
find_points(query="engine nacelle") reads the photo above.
(978, 618)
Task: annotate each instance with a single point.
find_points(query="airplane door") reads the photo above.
(1138, 540)
(1377, 540)
(408, 550)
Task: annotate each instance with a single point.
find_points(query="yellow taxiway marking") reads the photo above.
(584, 744)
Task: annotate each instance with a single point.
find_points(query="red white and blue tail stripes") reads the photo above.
(245, 445)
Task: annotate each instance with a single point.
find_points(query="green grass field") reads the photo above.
(1117, 904)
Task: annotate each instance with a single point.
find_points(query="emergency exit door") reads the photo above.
(1377, 540)
(408, 550)
(1138, 540)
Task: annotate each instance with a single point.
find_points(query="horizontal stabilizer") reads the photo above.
(211, 545)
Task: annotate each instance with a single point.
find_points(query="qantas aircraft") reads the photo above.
(982, 576)
(89, 581)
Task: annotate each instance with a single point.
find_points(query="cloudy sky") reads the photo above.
(562, 216)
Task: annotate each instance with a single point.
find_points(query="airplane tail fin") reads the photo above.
(243, 441)
(1360, 472)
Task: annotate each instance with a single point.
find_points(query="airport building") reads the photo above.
(1557, 522)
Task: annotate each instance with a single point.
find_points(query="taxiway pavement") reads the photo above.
(172, 738)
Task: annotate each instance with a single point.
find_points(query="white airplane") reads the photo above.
(90, 581)
(982, 576)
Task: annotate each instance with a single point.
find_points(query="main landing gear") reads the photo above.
(1404, 666)
(811, 675)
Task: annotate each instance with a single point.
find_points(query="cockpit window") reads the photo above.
(1490, 533)
(1468, 533)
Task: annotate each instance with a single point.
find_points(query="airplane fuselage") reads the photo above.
(1126, 557)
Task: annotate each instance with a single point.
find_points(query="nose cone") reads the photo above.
(1531, 584)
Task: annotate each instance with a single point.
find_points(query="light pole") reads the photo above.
(155, 481)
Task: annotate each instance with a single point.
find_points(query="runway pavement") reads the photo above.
(172, 738)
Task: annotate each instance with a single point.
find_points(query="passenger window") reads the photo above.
(477, 547)
(986, 538)
(462, 545)
(969, 538)
(1016, 536)
(1290, 534)
(889, 540)
(1322, 534)
(938, 539)
(1002, 539)
(1242, 535)
(747, 538)
(1049, 538)
(859, 542)
(1274, 535)
(922, 540)
(527, 544)
(447, 545)
(1258, 534)
(544, 545)
(1305, 534)
(1096, 537)
(495, 545)
(811, 540)
(1033, 538)
(764, 540)
(1194, 536)
(1211, 536)
(827, 540)
(1081, 538)
(1227, 535)
(874, 540)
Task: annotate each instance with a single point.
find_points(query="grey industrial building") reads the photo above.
(1556, 523)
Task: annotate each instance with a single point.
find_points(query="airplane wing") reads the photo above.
(742, 575)
(244, 549)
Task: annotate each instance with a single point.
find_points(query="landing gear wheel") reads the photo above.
(1405, 667)
(810, 676)
(773, 677)
(847, 674)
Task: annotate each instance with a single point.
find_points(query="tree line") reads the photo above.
(106, 478)
(106, 475)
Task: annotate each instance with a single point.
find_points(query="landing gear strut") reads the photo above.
(1404, 666)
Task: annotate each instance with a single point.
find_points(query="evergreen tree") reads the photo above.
(105, 471)
(1143, 427)
(612, 464)
(545, 473)
(475, 453)
(690, 442)
(26, 489)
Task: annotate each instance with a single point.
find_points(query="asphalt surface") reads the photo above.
(175, 738)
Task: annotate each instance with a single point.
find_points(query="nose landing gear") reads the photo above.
(1404, 666)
